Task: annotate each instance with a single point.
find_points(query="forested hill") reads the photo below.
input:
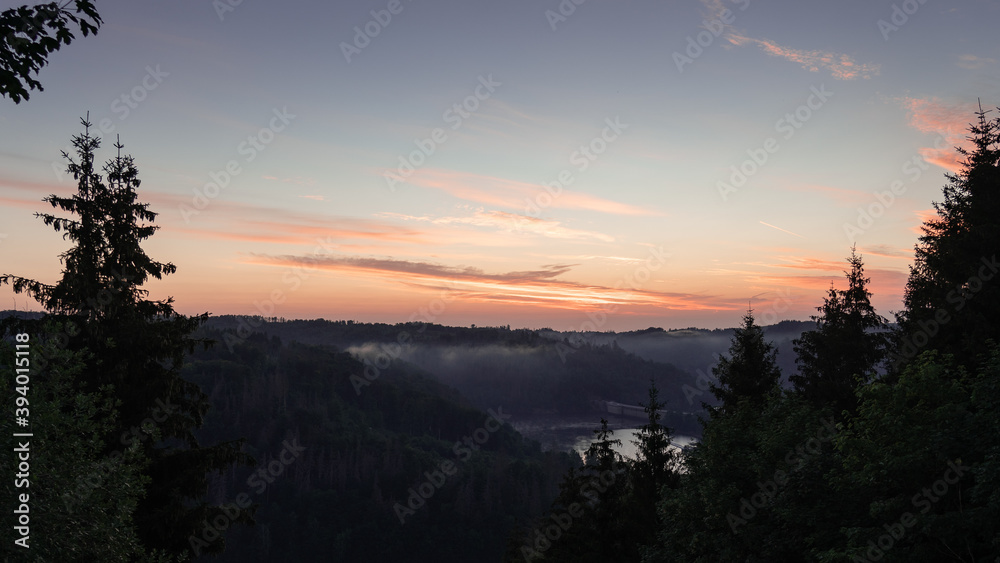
(691, 349)
(338, 469)
(533, 371)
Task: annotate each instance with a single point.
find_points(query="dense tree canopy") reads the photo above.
(28, 35)
(952, 299)
(854, 464)
(749, 372)
(846, 349)
(81, 502)
(137, 346)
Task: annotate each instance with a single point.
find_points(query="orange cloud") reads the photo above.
(26, 203)
(924, 215)
(511, 222)
(535, 287)
(950, 122)
(812, 264)
(38, 189)
(887, 251)
(514, 194)
(883, 282)
(230, 220)
(840, 66)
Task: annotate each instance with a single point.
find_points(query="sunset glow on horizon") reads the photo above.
(616, 166)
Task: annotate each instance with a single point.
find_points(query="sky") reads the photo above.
(575, 164)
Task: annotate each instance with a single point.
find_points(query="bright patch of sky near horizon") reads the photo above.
(311, 226)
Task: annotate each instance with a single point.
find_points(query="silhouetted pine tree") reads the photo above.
(601, 453)
(750, 371)
(138, 346)
(654, 468)
(849, 343)
(952, 297)
(655, 464)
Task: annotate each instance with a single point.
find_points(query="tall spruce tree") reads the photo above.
(137, 346)
(849, 343)
(655, 467)
(952, 297)
(749, 372)
(601, 453)
(656, 461)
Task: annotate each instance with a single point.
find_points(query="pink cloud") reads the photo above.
(839, 65)
(887, 251)
(514, 194)
(540, 288)
(511, 222)
(974, 62)
(949, 121)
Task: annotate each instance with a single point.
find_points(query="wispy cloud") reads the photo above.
(284, 233)
(35, 191)
(807, 263)
(948, 120)
(538, 287)
(510, 222)
(589, 257)
(924, 215)
(884, 282)
(27, 204)
(295, 180)
(973, 62)
(820, 273)
(887, 251)
(840, 66)
(514, 194)
(780, 229)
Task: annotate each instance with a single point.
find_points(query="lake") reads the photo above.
(565, 433)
